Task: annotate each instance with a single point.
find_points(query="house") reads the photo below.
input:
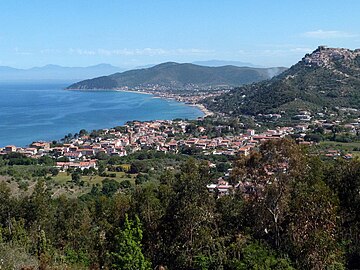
(245, 150)
(30, 151)
(172, 145)
(10, 149)
(86, 164)
(73, 155)
(222, 187)
(250, 132)
(41, 145)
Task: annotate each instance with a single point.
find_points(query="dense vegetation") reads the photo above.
(177, 76)
(298, 212)
(304, 86)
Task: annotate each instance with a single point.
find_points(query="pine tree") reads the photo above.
(128, 255)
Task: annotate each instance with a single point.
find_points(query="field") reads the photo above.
(59, 184)
(63, 183)
(351, 147)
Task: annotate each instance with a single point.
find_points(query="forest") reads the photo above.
(288, 209)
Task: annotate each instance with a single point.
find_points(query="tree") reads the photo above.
(83, 132)
(109, 187)
(270, 173)
(54, 171)
(313, 227)
(188, 226)
(46, 160)
(138, 166)
(128, 254)
(76, 177)
(141, 178)
(40, 208)
(42, 250)
(125, 184)
(102, 156)
(101, 168)
(150, 210)
(344, 178)
(254, 255)
(5, 203)
(230, 213)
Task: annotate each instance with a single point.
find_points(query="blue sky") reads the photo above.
(130, 33)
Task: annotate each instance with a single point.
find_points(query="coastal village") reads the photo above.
(157, 135)
(168, 136)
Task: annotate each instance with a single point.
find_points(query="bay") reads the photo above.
(33, 111)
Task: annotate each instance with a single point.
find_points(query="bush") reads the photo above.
(141, 178)
(109, 187)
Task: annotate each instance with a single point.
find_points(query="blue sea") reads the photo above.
(34, 111)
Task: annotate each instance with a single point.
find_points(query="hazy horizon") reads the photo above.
(130, 34)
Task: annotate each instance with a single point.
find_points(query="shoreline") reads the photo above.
(109, 90)
(132, 91)
(201, 107)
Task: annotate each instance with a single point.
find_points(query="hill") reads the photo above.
(175, 76)
(326, 79)
(55, 72)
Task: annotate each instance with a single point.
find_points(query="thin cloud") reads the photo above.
(192, 51)
(141, 52)
(82, 52)
(50, 51)
(273, 51)
(131, 52)
(323, 34)
(21, 52)
(301, 50)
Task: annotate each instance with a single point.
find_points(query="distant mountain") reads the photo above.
(323, 80)
(220, 63)
(55, 72)
(177, 76)
(8, 69)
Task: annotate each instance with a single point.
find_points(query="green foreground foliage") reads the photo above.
(292, 211)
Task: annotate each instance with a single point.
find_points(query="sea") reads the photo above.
(45, 111)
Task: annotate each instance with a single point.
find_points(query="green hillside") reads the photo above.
(327, 79)
(180, 76)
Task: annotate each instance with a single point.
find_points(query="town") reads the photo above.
(81, 151)
(159, 135)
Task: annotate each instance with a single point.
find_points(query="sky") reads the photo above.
(130, 33)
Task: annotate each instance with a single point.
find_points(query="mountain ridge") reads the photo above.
(56, 72)
(179, 76)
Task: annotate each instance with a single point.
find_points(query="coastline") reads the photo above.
(110, 90)
(132, 91)
(201, 107)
